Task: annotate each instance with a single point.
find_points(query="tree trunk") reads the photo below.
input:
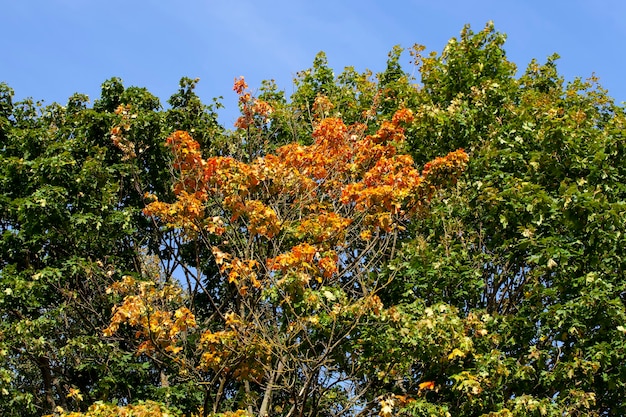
(267, 396)
(46, 375)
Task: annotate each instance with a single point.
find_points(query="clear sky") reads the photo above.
(51, 49)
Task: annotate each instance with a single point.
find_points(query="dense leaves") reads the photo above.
(298, 237)
(71, 220)
(335, 253)
(533, 236)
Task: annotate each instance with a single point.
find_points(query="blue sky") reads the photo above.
(54, 48)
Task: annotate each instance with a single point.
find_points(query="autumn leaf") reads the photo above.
(426, 385)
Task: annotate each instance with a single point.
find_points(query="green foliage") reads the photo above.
(505, 298)
(70, 224)
(533, 235)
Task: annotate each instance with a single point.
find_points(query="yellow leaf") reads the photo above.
(219, 255)
(173, 349)
(365, 235)
(75, 393)
(455, 353)
(386, 407)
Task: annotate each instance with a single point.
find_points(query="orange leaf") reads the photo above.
(427, 385)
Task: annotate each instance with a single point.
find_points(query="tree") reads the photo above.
(530, 242)
(303, 264)
(70, 221)
(297, 240)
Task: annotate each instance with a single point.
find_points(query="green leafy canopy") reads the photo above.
(505, 297)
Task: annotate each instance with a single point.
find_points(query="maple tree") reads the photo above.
(530, 243)
(298, 237)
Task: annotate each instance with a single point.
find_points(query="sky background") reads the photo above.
(51, 49)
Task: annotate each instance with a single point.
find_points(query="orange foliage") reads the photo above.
(427, 385)
(223, 350)
(250, 107)
(160, 328)
(118, 136)
(285, 221)
(343, 171)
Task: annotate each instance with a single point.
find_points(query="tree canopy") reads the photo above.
(450, 244)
